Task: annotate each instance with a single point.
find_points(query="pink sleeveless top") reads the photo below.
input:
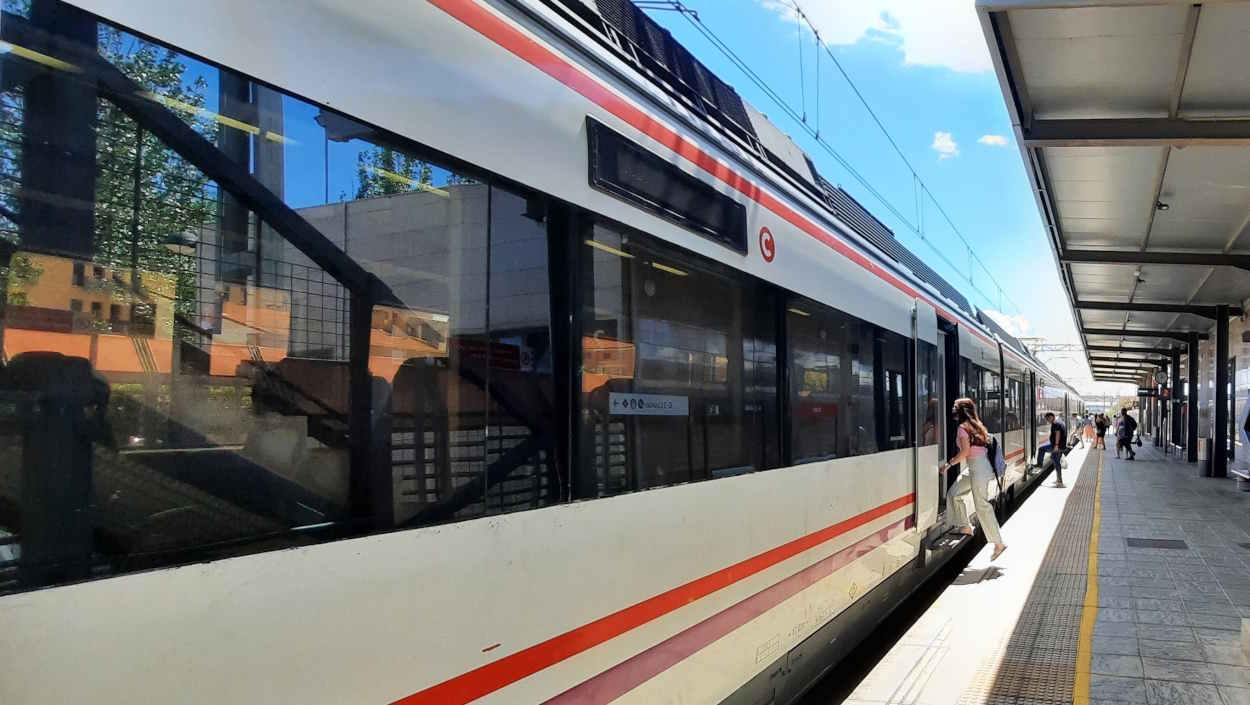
(973, 450)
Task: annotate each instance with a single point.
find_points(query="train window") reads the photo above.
(891, 389)
(679, 370)
(463, 357)
(972, 382)
(927, 397)
(320, 335)
(833, 391)
(1011, 414)
(990, 403)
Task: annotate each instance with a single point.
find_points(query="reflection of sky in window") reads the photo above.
(307, 180)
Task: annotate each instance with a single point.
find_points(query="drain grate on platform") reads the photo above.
(1156, 543)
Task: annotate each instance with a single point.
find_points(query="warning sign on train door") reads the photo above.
(768, 248)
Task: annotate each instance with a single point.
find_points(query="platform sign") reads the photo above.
(1144, 392)
(626, 404)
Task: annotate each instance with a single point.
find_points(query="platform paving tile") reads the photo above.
(1177, 670)
(1162, 692)
(1118, 665)
(1235, 676)
(1185, 650)
(1230, 654)
(1119, 688)
(1115, 645)
(1234, 696)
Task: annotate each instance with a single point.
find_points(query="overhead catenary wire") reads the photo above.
(897, 150)
(798, 21)
(799, 116)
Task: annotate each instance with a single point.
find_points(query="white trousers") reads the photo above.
(974, 479)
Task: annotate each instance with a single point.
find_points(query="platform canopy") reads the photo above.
(1133, 119)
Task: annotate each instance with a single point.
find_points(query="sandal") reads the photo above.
(998, 552)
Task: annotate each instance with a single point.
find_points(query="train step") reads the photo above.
(947, 541)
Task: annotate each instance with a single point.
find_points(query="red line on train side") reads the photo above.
(490, 677)
(642, 667)
(486, 23)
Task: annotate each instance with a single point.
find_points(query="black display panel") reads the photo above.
(630, 172)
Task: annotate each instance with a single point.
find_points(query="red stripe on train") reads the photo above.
(486, 679)
(508, 37)
(633, 672)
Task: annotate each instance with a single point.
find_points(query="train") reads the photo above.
(451, 351)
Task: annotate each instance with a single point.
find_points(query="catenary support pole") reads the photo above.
(1219, 454)
(1191, 438)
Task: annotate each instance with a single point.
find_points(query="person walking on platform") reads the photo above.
(1078, 429)
(973, 439)
(1100, 431)
(1124, 434)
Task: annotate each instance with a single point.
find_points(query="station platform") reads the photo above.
(1128, 586)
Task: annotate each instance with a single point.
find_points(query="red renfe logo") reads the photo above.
(768, 248)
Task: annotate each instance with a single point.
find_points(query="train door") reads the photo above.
(948, 363)
(1031, 428)
(927, 447)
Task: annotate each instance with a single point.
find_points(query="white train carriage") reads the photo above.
(448, 351)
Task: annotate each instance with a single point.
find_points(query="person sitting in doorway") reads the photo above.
(1054, 447)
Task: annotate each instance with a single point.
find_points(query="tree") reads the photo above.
(383, 171)
(131, 224)
(20, 274)
(173, 196)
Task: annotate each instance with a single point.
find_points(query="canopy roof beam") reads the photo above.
(1181, 335)
(1122, 349)
(1147, 360)
(1136, 132)
(1195, 309)
(1132, 257)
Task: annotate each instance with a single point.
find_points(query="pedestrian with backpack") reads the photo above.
(974, 442)
(1124, 434)
(1100, 431)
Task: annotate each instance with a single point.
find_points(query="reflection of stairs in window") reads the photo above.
(142, 517)
(325, 423)
(445, 467)
(144, 352)
(610, 458)
(8, 561)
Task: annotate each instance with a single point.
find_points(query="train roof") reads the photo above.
(665, 62)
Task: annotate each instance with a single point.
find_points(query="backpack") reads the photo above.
(996, 457)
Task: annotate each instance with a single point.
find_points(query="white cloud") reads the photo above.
(944, 144)
(943, 33)
(992, 140)
(1017, 325)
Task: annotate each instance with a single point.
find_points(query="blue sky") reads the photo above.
(923, 67)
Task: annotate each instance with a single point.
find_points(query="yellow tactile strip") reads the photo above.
(1089, 612)
(1038, 662)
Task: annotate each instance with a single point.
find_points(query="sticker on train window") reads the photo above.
(626, 404)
